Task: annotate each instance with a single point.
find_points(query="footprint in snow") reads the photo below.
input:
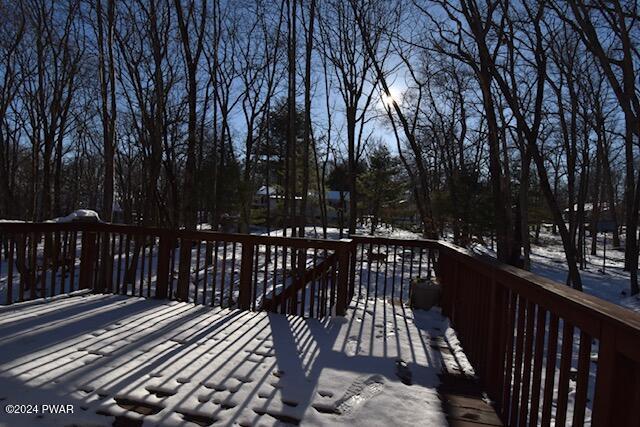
(352, 346)
(358, 393)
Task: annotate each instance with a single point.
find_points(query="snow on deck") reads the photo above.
(171, 363)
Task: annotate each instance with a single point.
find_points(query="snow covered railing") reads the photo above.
(546, 353)
(218, 269)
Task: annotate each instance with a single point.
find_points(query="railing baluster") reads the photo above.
(361, 246)
(549, 379)
(162, 267)
(197, 275)
(141, 260)
(375, 293)
(267, 258)
(119, 269)
(152, 243)
(312, 291)
(582, 380)
(526, 371)
(223, 273)
(215, 275)
(126, 276)
(254, 285)
(565, 367)
(207, 264)
(537, 366)
(172, 265)
(10, 262)
(33, 267)
(506, 396)
(233, 273)
(74, 253)
(65, 260)
(275, 275)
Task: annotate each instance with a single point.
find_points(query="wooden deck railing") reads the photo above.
(544, 352)
(217, 269)
(384, 267)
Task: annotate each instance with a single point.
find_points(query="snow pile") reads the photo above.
(79, 215)
(170, 363)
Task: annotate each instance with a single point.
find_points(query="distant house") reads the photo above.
(273, 193)
(264, 194)
(337, 201)
(604, 211)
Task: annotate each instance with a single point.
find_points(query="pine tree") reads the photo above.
(381, 185)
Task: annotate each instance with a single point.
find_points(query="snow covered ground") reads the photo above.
(176, 363)
(548, 260)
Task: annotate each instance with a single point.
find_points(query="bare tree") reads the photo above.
(609, 30)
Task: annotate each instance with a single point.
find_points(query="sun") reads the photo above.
(387, 99)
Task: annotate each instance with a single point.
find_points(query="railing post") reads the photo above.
(87, 259)
(353, 255)
(184, 270)
(10, 262)
(105, 278)
(246, 264)
(343, 278)
(162, 280)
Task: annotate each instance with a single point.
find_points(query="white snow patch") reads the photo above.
(78, 215)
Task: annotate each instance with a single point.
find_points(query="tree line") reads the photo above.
(484, 118)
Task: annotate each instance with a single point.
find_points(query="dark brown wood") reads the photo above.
(215, 274)
(537, 366)
(246, 264)
(552, 349)
(526, 370)
(582, 382)
(197, 275)
(184, 272)
(343, 283)
(162, 277)
(152, 244)
(302, 281)
(73, 261)
(87, 260)
(563, 380)
(10, 273)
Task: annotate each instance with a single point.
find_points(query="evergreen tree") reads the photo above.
(381, 185)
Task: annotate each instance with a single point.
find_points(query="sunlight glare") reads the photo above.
(388, 100)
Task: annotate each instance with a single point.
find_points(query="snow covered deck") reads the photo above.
(170, 363)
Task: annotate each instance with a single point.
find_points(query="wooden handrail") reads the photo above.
(389, 241)
(143, 255)
(546, 292)
(512, 322)
(202, 235)
(301, 282)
